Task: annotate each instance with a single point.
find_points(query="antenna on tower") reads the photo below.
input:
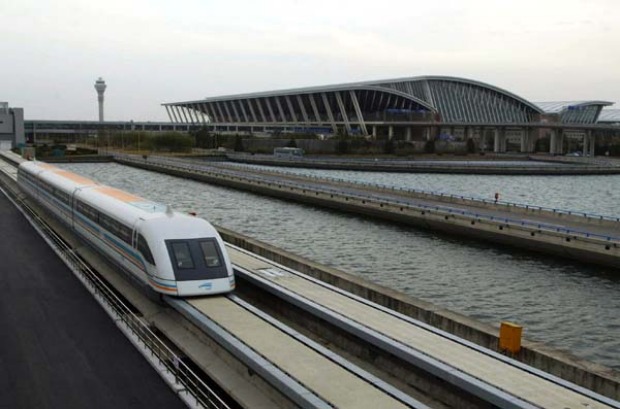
(100, 88)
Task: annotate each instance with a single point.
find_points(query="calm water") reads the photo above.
(565, 304)
(598, 194)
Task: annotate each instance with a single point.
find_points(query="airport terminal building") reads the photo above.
(11, 126)
(417, 108)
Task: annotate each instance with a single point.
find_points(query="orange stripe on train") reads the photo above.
(118, 194)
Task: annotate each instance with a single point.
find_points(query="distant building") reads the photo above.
(11, 126)
(409, 109)
(610, 117)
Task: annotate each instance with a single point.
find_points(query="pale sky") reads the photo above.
(155, 51)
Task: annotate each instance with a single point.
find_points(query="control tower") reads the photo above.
(100, 87)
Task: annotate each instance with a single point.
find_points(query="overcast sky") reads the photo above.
(155, 51)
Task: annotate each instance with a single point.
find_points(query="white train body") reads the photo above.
(172, 253)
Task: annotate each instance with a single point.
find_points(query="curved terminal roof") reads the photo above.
(358, 104)
(609, 116)
(580, 112)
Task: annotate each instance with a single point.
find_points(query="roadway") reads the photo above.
(58, 348)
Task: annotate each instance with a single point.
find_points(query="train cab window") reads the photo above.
(210, 254)
(143, 248)
(182, 255)
(197, 259)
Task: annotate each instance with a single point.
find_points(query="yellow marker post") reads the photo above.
(510, 337)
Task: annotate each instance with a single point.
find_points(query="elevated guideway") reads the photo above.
(317, 375)
(308, 374)
(587, 238)
(548, 165)
(491, 377)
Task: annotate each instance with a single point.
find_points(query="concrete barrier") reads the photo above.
(595, 377)
(568, 245)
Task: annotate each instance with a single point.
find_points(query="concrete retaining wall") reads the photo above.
(580, 248)
(559, 215)
(596, 377)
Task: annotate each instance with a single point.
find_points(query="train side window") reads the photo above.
(125, 233)
(143, 248)
(88, 211)
(210, 254)
(182, 255)
(108, 223)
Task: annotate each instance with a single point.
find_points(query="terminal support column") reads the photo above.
(482, 139)
(408, 133)
(532, 137)
(499, 143)
(524, 141)
(427, 133)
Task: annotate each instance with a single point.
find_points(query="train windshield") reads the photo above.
(196, 259)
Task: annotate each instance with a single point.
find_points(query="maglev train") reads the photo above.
(170, 252)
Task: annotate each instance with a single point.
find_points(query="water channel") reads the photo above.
(562, 303)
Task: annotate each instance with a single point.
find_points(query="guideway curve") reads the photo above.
(587, 239)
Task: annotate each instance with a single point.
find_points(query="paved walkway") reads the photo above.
(58, 348)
